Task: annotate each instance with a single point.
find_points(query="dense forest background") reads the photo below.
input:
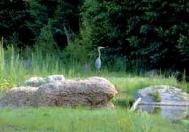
(138, 34)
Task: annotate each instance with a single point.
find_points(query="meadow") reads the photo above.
(14, 68)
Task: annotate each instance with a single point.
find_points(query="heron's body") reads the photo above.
(98, 62)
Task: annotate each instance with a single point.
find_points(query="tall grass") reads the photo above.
(16, 67)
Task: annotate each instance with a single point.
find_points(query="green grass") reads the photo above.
(15, 68)
(155, 96)
(82, 120)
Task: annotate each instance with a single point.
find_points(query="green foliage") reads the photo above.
(183, 45)
(155, 96)
(45, 42)
(13, 17)
(77, 52)
(139, 30)
(124, 102)
(5, 85)
(39, 16)
(67, 14)
(140, 34)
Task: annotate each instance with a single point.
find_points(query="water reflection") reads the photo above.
(169, 112)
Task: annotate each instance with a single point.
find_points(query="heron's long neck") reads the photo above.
(99, 53)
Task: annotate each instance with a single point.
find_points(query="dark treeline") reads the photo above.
(142, 34)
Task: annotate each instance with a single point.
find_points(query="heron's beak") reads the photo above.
(100, 47)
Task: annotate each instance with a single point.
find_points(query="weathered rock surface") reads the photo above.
(19, 96)
(168, 94)
(37, 81)
(94, 92)
(173, 105)
(54, 78)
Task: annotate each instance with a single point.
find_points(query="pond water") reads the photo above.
(168, 112)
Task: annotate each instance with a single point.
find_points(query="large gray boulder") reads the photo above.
(172, 103)
(167, 94)
(94, 91)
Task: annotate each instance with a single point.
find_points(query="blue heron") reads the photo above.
(98, 60)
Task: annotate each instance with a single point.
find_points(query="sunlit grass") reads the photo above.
(82, 120)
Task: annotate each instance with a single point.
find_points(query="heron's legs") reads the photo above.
(98, 72)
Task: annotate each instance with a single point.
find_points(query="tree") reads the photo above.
(13, 16)
(149, 32)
